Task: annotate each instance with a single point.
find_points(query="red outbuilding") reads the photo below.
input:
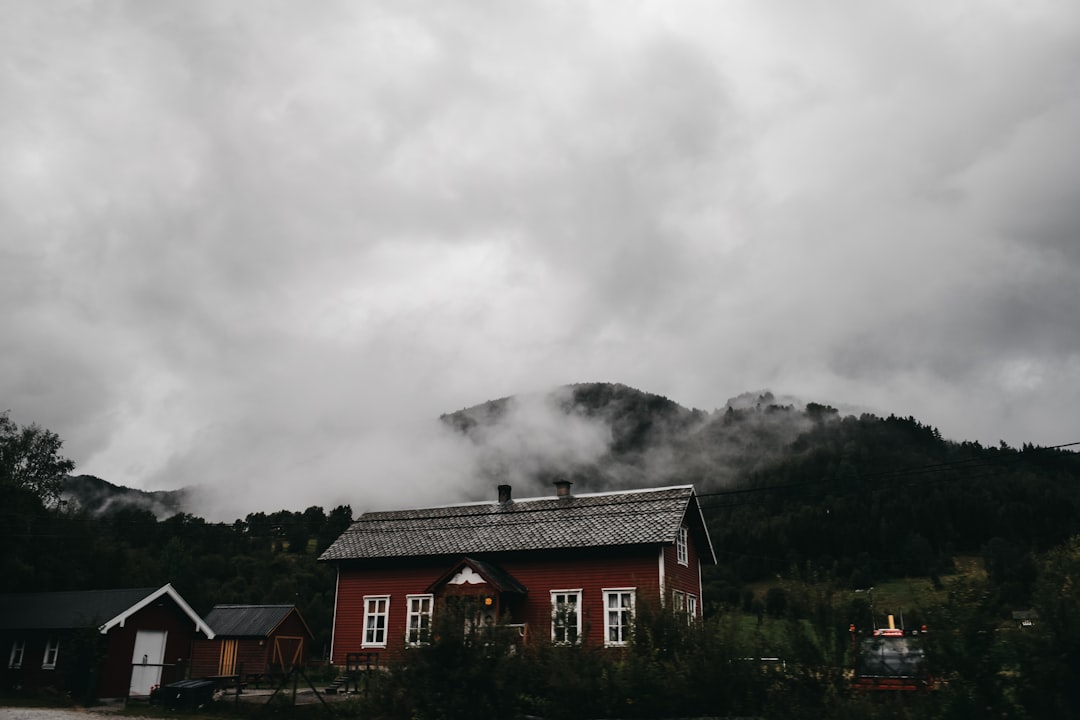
(97, 643)
(560, 569)
(256, 643)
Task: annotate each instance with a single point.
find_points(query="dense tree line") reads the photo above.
(863, 499)
(264, 558)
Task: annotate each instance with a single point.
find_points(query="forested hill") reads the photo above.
(789, 490)
(649, 439)
(788, 487)
(785, 485)
(97, 496)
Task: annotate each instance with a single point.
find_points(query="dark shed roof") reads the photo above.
(634, 517)
(66, 610)
(80, 609)
(247, 620)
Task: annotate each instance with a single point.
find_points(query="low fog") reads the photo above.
(260, 250)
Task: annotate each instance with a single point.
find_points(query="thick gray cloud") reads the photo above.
(261, 248)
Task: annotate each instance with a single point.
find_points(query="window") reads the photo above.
(678, 601)
(18, 649)
(565, 616)
(618, 616)
(691, 608)
(680, 547)
(418, 619)
(52, 649)
(376, 610)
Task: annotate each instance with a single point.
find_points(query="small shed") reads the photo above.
(97, 643)
(253, 642)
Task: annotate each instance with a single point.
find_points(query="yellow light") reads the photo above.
(488, 601)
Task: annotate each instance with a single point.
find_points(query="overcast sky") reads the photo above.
(262, 246)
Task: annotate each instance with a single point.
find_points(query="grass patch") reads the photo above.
(889, 596)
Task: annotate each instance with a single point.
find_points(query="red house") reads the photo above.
(561, 569)
(97, 643)
(255, 642)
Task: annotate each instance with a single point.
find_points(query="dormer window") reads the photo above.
(681, 552)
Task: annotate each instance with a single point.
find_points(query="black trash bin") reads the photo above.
(187, 694)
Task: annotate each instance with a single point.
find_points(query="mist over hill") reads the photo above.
(601, 436)
(97, 496)
(605, 436)
(783, 482)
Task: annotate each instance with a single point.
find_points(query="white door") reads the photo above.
(146, 661)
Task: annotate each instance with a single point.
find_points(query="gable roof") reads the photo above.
(80, 609)
(249, 620)
(634, 517)
(491, 574)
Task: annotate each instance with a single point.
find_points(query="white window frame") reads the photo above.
(678, 601)
(681, 542)
(418, 613)
(18, 652)
(52, 652)
(376, 621)
(556, 611)
(619, 617)
(691, 608)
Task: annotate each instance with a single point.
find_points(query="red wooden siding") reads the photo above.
(255, 655)
(31, 675)
(160, 615)
(204, 658)
(285, 638)
(252, 656)
(588, 571)
(684, 578)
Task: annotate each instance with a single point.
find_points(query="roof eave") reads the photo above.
(166, 589)
(704, 528)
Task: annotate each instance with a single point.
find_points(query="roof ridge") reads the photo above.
(487, 503)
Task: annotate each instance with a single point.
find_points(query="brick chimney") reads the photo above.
(562, 488)
(504, 494)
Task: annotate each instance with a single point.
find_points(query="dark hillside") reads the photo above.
(96, 496)
(867, 498)
(649, 439)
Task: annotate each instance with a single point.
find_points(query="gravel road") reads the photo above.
(20, 713)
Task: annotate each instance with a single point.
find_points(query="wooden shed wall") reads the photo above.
(254, 655)
(164, 614)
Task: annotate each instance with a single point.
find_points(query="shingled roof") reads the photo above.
(635, 517)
